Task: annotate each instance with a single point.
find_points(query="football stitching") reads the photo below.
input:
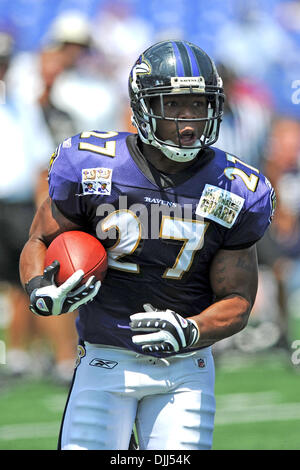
(87, 273)
(95, 266)
(67, 251)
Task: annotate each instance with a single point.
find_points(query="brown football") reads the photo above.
(77, 250)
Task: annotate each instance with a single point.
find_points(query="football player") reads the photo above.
(180, 219)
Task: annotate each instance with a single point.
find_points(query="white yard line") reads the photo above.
(236, 401)
(258, 414)
(234, 408)
(11, 432)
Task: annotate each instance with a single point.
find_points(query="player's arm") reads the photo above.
(46, 298)
(233, 277)
(47, 224)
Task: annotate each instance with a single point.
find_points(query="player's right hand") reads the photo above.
(50, 299)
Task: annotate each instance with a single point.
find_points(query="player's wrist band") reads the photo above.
(34, 283)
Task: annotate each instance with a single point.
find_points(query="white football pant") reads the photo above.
(171, 401)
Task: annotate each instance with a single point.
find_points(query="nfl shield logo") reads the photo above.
(201, 363)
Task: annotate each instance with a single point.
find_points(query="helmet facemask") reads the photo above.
(146, 121)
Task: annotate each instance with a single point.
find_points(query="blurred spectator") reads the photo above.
(244, 132)
(258, 46)
(280, 248)
(252, 41)
(87, 89)
(30, 132)
(121, 34)
(282, 160)
(247, 117)
(22, 143)
(52, 64)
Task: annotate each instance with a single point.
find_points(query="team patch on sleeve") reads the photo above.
(272, 203)
(96, 181)
(272, 199)
(219, 205)
(52, 159)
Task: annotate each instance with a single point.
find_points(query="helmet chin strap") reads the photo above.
(175, 154)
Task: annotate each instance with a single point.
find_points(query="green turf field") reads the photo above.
(258, 407)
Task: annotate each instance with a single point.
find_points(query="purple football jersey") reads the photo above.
(161, 233)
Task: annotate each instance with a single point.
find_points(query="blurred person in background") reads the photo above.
(280, 249)
(53, 61)
(263, 60)
(253, 41)
(66, 42)
(87, 88)
(128, 34)
(245, 129)
(28, 131)
(247, 117)
(22, 143)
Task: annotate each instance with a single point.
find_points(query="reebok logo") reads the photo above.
(104, 363)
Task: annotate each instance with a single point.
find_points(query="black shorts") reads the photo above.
(15, 222)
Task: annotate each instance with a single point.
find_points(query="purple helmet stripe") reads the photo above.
(179, 63)
(194, 65)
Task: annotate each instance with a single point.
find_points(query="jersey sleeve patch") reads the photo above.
(67, 143)
(219, 205)
(273, 200)
(52, 159)
(96, 181)
(254, 221)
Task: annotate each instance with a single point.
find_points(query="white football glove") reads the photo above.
(48, 299)
(164, 331)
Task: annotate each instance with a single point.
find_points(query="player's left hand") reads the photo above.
(164, 331)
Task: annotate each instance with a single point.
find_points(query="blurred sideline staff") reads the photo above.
(280, 248)
(28, 132)
(247, 117)
(19, 170)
